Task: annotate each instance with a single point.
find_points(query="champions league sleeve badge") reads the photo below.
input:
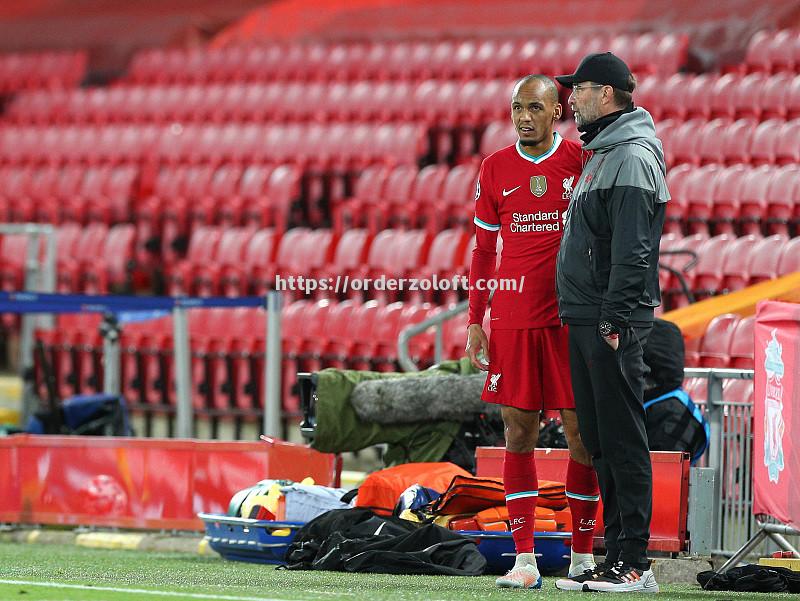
(773, 412)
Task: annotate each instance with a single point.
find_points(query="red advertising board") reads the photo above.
(776, 412)
(140, 482)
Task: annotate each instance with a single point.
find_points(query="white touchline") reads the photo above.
(137, 591)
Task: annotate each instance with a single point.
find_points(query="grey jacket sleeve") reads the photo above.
(631, 206)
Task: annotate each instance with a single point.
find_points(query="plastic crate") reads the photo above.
(242, 539)
(552, 550)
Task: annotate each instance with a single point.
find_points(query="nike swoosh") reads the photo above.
(517, 528)
(585, 529)
(510, 191)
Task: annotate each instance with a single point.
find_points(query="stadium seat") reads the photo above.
(708, 148)
(764, 260)
(368, 189)
(741, 349)
(707, 276)
(454, 207)
(87, 249)
(787, 145)
(783, 200)
(683, 143)
(790, 258)
(746, 101)
(696, 96)
(725, 199)
(757, 57)
(716, 342)
(753, 199)
(699, 195)
(201, 251)
(446, 252)
(774, 96)
(208, 278)
(721, 96)
(735, 268)
(734, 146)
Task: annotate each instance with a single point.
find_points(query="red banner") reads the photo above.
(776, 413)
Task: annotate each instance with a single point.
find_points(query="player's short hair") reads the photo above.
(551, 90)
(623, 98)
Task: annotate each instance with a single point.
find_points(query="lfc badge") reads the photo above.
(538, 185)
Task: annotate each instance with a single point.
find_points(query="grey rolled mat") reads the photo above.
(414, 399)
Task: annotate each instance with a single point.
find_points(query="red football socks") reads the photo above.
(582, 495)
(522, 492)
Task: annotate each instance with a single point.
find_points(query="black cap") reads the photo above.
(603, 68)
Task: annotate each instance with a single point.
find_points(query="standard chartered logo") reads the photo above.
(541, 221)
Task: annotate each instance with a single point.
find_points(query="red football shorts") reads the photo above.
(529, 369)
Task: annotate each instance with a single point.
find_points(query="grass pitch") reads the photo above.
(38, 572)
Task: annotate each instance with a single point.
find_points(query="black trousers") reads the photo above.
(608, 387)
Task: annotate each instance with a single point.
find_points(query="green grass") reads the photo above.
(181, 575)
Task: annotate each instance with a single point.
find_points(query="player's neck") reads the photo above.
(543, 147)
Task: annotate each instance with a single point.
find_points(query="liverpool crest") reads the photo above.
(538, 185)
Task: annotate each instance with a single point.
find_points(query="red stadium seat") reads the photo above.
(734, 146)
(207, 278)
(746, 102)
(765, 257)
(201, 252)
(683, 143)
(735, 270)
(742, 344)
(454, 207)
(758, 57)
(368, 189)
(721, 96)
(774, 96)
(708, 148)
(725, 198)
(699, 194)
(682, 260)
(783, 199)
(670, 99)
(787, 145)
(764, 141)
(697, 95)
(707, 274)
(716, 342)
(753, 199)
(790, 258)
(348, 256)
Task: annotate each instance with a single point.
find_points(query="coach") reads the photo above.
(607, 280)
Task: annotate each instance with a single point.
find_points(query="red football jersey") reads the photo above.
(525, 199)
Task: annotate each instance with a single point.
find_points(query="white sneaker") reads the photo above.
(622, 578)
(525, 576)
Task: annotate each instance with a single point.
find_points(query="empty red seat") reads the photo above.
(742, 344)
(735, 268)
(753, 199)
(790, 258)
(716, 342)
(787, 145)
(765, 257)
(699, 195)
(707, 275)
(757, 57)
(774, 96)
(783, 199)
(725, 198)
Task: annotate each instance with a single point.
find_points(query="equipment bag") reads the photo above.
(674, 423)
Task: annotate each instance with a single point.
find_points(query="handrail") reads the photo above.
(403, 357)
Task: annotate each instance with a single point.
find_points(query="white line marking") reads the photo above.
(136, 591)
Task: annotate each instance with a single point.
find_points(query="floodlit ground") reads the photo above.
(47, 572)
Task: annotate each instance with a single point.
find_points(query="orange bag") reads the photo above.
(496, 518)
(381, 490)
(552, 494)
(467, 494)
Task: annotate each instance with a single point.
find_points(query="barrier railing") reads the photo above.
(730, 454)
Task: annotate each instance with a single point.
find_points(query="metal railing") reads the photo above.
(730, 454)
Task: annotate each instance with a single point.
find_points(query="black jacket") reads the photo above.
(608, 260)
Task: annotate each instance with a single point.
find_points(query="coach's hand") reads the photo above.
(477, 342)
